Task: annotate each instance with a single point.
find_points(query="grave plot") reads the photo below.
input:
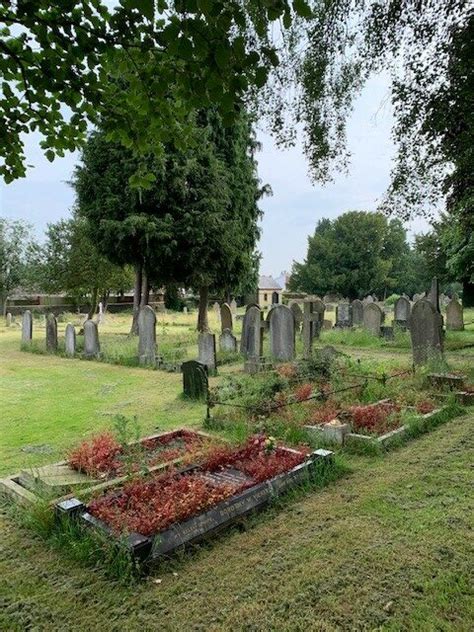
(156, 514)
(102, 462)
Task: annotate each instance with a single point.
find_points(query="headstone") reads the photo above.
(207, 351)
(147, 336)
(8, 319)
(416, 297)
(252, 339)
(401, 312)
(297, 314)
(454, 316)
(426, 330)
(226, 317)
(373, 318)
(368, 299)
(357, 312)
(51, 333)
(313, 319)
(327, 324)
(434, 294)
(387, 332)
(91, 339)
(233, 307)
(195, 380)
(70, 340)
(227, 341)
(26, 327)
(217, 310)
(282, 333)
(343, 315)
(185, 310)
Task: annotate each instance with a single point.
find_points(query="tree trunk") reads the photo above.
(203, 324)
(93, 304)
(467, 293)
(3, 305)
(137, 297)
(145, 297)
(105, 300)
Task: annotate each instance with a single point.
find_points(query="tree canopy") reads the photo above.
(356, 254)
(16, 243)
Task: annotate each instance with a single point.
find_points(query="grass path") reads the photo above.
(385, 548)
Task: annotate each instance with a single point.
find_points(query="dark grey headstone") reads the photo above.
(454, 316)
(147, 336)
(91, 339)
(251, 341)
(373, 318)
(226, 317)
(313, 319)
(227, 341)
(357, 312)
(70, 340)
(195, 380)
(343, 315)
(26, 327)
(433, 296)
(402, 310)
(207, 351)
(51, 333)
(282, 333)
(426, 330)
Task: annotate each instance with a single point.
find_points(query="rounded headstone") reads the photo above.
(373, 318)
(207, 351)
(282, 333)
(227, 341)
(250, 343)
(26, 327)
(70, 340)
(426, 331)
(357, 312)
(402, 309)
(51, 333)
(91, 339)
(454, 316)
(8, 319)
(226, 317)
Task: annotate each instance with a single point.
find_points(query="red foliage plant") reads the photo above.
(97, 457)
(375, 418)
(150, 505)
(303, 392)
(325, 413)
(424, 407)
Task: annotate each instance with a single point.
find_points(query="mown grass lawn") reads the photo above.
(387, 547)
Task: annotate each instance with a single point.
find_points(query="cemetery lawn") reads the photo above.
(386, 547)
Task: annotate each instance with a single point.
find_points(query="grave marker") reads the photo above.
(401, 312)
(91, 339)
(251, 343)
(51, 333)
(373, 318)
(233, 307)
(195, 380)
(8, 319)
(426, 330)
(207, 351)
(313, 319)
(454, 316)
(282, 333)
(70, 340)
(343, 315)
(357, 312)
(226, 317)
(26, 327)
(433, 295)
(227, 341)
(147, 336)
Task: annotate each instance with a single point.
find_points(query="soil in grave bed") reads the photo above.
(149, 505)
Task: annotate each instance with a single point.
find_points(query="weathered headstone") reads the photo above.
(327, 324)
(454, 316)
(343, 315)
(297, 314)
(252, 339)
(373, 318)
(401, 312)
(51, 333)
(426, 330)
(91, 339)
(357, 312)
(217, 310)
(233, 307)
(282, 333)
(226, 317)
(147, 336)
(368, 299)
(8, 319)
(26, 327)
(416, 297)
(433, 295)
(185, 310)
(227, 341)
(70, 340)
(195, 380)
(313, 319)
(207, 351)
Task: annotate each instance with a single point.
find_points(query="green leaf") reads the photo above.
(49, 155)
(302, 8)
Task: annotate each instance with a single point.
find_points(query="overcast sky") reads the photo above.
(289, 215)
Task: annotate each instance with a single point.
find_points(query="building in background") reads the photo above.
(269, 292)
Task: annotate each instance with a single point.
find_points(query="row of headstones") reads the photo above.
(146, 336)
(226, 313)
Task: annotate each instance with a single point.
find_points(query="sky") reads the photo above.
(290, 215)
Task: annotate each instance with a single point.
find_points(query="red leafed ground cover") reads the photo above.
(150, 505)
(375, 419)
(104, 456)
